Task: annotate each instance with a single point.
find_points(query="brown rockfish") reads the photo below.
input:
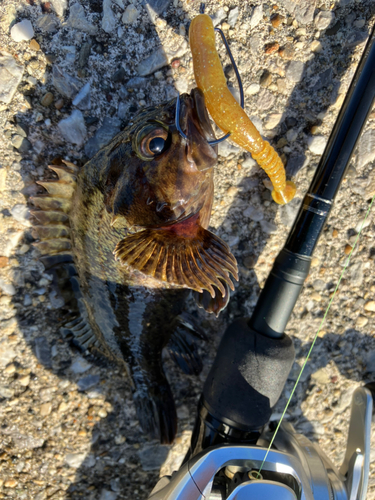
(134, 222)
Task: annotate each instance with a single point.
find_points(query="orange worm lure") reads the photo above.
(227, 113)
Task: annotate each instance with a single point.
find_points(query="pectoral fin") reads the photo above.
(187, 256)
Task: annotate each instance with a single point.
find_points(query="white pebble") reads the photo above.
(316, 144)
(252, 89)
(130, 15)
(272, 120)
(22, 31)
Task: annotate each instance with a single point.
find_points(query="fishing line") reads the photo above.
(316, 336)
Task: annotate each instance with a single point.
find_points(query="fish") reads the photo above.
(129, 228)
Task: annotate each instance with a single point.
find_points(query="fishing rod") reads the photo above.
(235, 453)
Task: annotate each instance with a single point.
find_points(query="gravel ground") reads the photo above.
(79, 72)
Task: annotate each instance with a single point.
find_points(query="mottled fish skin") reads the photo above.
(131, 314)
(134, 191)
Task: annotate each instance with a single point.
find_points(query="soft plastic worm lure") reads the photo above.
(227, 113)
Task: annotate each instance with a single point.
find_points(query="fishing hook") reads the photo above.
(242, 100)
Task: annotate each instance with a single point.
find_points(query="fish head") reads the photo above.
(164, 178)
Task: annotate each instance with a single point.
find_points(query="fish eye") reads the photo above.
(156, 145)
(154, 142)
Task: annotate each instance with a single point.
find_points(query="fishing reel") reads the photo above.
(294, 469)
(233, 456)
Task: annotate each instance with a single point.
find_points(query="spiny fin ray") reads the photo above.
(198, 262)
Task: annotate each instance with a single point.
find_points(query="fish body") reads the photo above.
(134, 222)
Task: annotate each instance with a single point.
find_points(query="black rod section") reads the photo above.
(291, 267)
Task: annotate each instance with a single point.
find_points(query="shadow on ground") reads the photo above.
(122, 460)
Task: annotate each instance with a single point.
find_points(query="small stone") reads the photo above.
(34, 45)
(80, 365)
(370, 306)
(316, 297)
(120, 439)
(60, 6)
(366, 149)
(265, 100)
(59, 103)
(323, 80)
(361, 321)
(63, 406)
(268, 227)
(3, 178)
(233, 16)
(65, 84)
(295, 71)
(249, 262)
(47, 99)
(102, 413)
(323, 19)
(130, 15)
(158, 59)
(225, 26)
(265, 79)
(271, 47)
(272, 121)
(252, 89)
(304, 11)
(22, 31)
(83, 99)
(110, 127)
(84, 54)
(10, 483)
(348, 249)
(256, 16)
(24, 381)
(10, 76)
(7, 353)
(119, 75)
(6, 392)
(21, 143)
(225, 149)
(7, 288)
(362, 224)
(47, 24)
(77, 20)
(356, 274)
(45, 409)
(109, 19)
(249, 162)
(316, 144)
(74, 460)
(276, 20)
(43, 351)
(316, 47)
(10, 369)
(108, 495)
(321, 377)
(218, 16)
(137, 82)
(88, 382)
(4, 262)
(287, 52)
(153, 456)
(73, 128)
(335, 233)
